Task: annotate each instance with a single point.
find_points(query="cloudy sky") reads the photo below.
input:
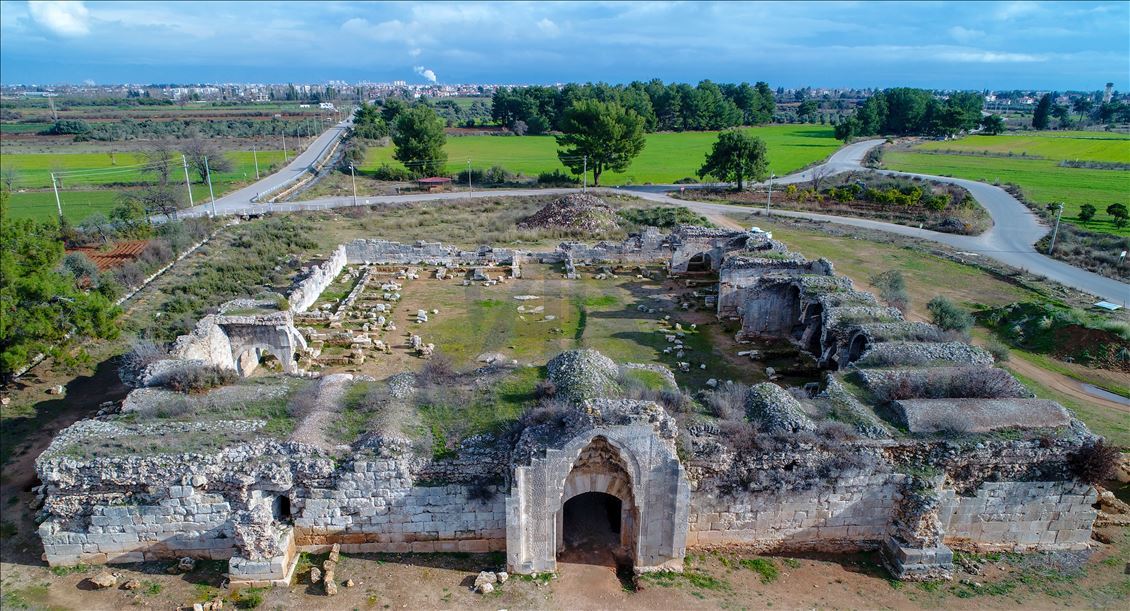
(1003, 45)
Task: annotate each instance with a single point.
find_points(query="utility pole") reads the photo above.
(285, 158)
(187, 182)
(255, 156)
(208, 172)
(1056, 230)
(354, 177)
(769, 198)
(55, 186)
(585, 176)
(468, 176)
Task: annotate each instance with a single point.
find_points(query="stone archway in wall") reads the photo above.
(856, 347)
(249, 357)
(597, 517)
(700, 262)
(626, 493)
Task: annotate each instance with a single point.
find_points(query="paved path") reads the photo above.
(242, 199)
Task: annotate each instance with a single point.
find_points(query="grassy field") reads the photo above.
(667, 157)
(85, 194)
(1043, 180)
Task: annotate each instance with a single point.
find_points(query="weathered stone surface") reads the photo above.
(583, 374)
(775, 410)
(980, 415)
(103, 580)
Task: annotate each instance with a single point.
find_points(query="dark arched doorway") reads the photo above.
(592, 523)
(700, 262)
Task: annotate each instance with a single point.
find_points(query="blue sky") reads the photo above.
(1001, 45)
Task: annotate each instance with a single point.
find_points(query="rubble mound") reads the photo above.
(776, 410)
(577, 212)
(583, 374)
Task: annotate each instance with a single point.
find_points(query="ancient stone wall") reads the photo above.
(421, 253)
(1019, 516)
(306, 290)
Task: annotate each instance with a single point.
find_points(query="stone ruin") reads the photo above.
(841, 466)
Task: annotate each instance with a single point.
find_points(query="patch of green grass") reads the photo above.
(764, 567)
(1042, 180)
(63, 571)
(792, 563)
(648, 379)
(539, 578)
(248, 598)
(30, 597)
(150, 588)
(600, 301)
(666, 157)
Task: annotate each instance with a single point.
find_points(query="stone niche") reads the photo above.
(626, 451)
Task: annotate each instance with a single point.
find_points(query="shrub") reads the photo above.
(80, 266)
(948, 317)
(1095, 463)
(664, 217)
(391, 173)
(545, 389)
(557, 178)
(834, 430)
(892, 289)
(198, 378)
(726, 402)
(438, 370)
(552, 411)
(998, 349)
(740, 436)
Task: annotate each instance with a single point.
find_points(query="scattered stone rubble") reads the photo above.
(578, 212)
(824, 468)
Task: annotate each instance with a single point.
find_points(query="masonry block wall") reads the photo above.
(1020, 516)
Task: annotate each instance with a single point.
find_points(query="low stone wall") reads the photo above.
(385, 252)
(307, 290)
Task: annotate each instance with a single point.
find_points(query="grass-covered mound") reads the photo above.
(1064, 333)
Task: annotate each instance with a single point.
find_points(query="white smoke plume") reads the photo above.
(426, 73)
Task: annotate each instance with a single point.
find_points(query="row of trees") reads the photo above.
(1119, 214)
(904, 111)
(665, 107)
(130, 129)
(1080, 109)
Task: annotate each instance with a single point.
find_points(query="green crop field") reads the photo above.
(1043, 180)
(84, 194)
(667, 157)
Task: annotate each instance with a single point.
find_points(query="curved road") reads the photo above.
(1009, 241)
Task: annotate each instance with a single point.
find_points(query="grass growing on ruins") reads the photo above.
(666, 157)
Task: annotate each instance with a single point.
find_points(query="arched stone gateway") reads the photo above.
(633, 462)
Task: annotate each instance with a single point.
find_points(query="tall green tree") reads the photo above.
(419, 141)
(605, 134)
(40, 302)
(1041, 117)
(735, 157)
(993, 124)
(1120, 214)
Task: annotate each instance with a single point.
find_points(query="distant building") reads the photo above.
(1108, 93)
(326, 105)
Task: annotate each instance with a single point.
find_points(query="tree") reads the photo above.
(948, 316)
(10, 176)
(1086, 213)
(605, 134)
(736, 156)
(40, 305)
(848, 129)
(203, 155)
(159, 160)
(419, 141)
(1063, 113)
(993, 125)
(1041, 116)
(1082, 105)
(1120, 214)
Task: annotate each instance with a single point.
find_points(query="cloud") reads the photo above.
(415, 52)
(962, 34)
(62, 18)
(990, 57)
(548, 28)
(424, 72)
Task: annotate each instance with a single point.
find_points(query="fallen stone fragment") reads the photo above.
(104, 580)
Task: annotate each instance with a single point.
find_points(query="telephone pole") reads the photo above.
(354, 177)
(187, 182)
(468, 176)
(1056, 230)
(255, 156)
(55, 186)
(769, 198)
(585, 176)
(285, 158)
(208, 172)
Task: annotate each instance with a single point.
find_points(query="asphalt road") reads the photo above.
(1009, 241)
(242, 199)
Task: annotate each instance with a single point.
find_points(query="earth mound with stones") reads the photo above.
(576, 212)
(583, 374)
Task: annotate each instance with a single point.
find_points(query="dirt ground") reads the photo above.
(728, 579)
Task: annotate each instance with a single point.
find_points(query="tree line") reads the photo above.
(905, 111)
(130, 129)
(662, 107)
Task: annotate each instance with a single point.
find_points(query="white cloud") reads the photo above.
(424, 72)
(415, 52)
(62, 18)
(990, 57)
(962, 34)
(548, 28)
